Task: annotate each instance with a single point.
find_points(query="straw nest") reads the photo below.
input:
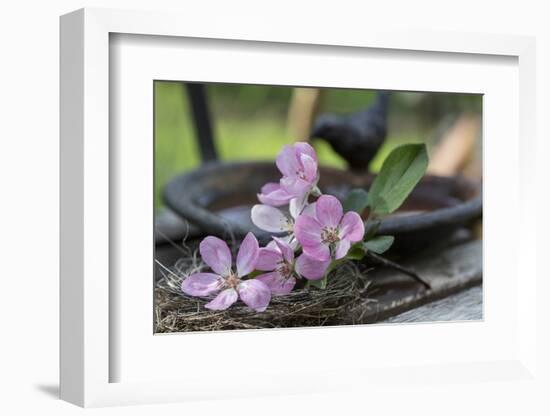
(341, 303)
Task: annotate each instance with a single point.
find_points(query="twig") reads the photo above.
(385, 262)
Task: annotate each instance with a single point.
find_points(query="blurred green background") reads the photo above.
(250, 122)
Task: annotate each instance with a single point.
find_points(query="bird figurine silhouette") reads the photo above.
(358, 136)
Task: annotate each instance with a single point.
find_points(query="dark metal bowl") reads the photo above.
(217, 198)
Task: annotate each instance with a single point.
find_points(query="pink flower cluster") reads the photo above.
(228, 285)
(311, 236)
(298, 165)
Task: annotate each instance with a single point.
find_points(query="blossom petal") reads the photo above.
(295, 186)
(216, 254)
(290, 240)
(270, 187)
(307, 230)
(269, 218)
(305, 148)
(296, 206)
(319, 251)
(273, 246)
(247, 255)
(201, 284)
(286, 249)
(277, 283)
(310, 268)
(310, 168)
(273, 194)
(328, 211)
(270, 279)
(310, 210)
(342, 248)
(286, 287)
(255, 294)
(268, 259)
(224, 300)
(352, 227)
(287, 162)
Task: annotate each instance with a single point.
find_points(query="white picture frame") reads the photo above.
(96, 371)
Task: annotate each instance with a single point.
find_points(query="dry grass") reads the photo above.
(336, 305)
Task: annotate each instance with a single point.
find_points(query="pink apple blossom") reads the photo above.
(274, 220)
(330, 233)
(278, 259)
(224, 282)
(299, 166)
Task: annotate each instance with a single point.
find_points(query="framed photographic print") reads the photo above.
(316, 236)
(263, 214)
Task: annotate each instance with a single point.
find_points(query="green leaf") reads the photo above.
(379, 244)
(371, 227)
(356, 252)
(320, 284)
(254, 273)
(401, 171)
(356, 200)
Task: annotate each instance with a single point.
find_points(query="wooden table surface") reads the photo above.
(463, 306)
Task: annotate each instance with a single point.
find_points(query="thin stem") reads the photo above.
(385, 262)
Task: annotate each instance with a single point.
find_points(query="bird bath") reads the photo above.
(217, 199)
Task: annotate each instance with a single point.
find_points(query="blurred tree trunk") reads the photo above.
(303, 108)
(460, 152)
(456, 151)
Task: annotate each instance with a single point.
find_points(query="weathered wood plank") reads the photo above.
(463, 306)
(448, 271)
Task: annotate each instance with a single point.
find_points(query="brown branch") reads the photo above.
(388, 263)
